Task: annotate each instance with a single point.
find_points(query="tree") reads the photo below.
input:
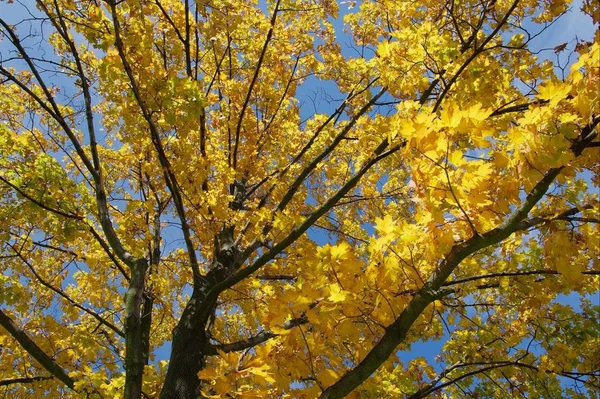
(165, 178)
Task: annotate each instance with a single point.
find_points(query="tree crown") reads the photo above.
(291, 204)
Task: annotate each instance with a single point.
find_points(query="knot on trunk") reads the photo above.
(227, 255)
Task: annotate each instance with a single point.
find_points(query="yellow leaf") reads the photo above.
(336, 294)
(209, 396)
(450, 116)
(328, 377)
(385, 226)
(280, 330)
(500, 160)
(571, 271)
(456, 158)
(384, 49)
(554, 92)
(262, 372)
(340, 251)
(208, 374)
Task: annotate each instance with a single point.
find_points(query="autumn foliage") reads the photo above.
(250, 199)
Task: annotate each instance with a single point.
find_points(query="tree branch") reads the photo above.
(257, 339)
(432, 387)
(24, 380)
(476, 52)
(517, 108)
(379, 154)
(326, 151)
(513, 274)
(491, 365)
(35, 351)
(52, 109)
(170, 179)
(566, 215)
(39, 203)
(59, 292)
(261, 58)
(396, 332)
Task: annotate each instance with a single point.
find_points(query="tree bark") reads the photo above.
(134, 341)
(189, 350)
(190, 345)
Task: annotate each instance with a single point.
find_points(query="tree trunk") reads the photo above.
(190, 341)
(134, 342)
(188, 351)
(186, 361)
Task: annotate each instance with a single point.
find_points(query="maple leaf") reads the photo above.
(385, 226)
(554, 92)
(340, 251)
(336, 294)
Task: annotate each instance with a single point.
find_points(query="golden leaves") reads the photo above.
(242, 371)
(560, 254)
(554, 92)
(467, 161)
(336, 294)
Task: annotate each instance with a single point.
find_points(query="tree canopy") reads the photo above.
(287, 201)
